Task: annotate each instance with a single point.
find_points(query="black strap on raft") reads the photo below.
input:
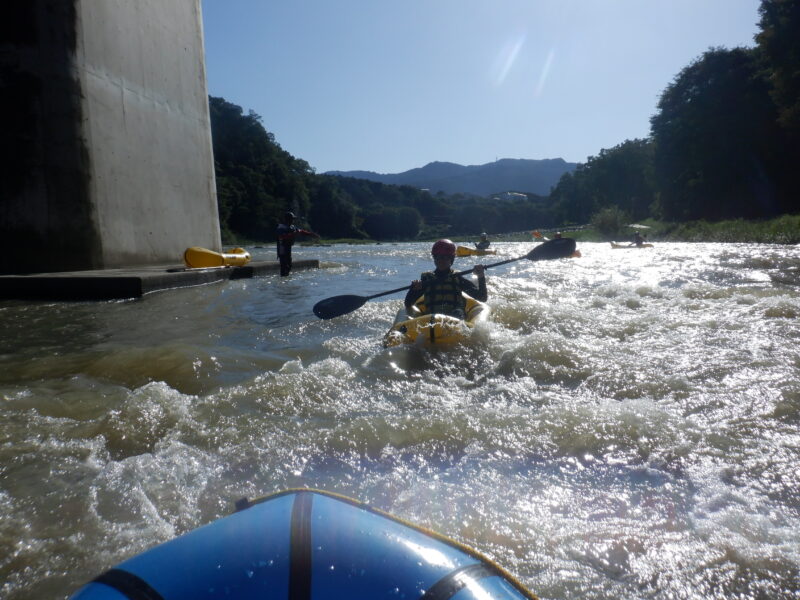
(129, 585)
(452, 583)
(300, 548)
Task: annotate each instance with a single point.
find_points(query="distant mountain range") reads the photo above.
(507, 174)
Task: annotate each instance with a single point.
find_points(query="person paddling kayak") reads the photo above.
(484, 243)
(638, 240)
(442, 287)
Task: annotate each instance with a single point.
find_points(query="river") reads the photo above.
(627, 425)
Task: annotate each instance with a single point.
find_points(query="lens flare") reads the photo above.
(506, 58)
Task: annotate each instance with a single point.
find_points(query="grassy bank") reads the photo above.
(781, 230)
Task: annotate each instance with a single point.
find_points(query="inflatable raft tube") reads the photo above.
(200, 258)
(307, 545)
(436, 330)
(556, 248)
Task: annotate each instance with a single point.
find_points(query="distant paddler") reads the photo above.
(484, 243)
(638, 239)
(287, 233)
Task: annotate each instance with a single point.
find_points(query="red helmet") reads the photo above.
(444, 248)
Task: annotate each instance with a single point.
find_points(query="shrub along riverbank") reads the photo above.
(781, 230)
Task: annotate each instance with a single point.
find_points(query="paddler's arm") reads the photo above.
(478, 292)
(413, 294)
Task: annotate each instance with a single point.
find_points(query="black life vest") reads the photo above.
(442, 294)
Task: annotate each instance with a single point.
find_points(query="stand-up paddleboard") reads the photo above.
(200, 258)
(307, 545)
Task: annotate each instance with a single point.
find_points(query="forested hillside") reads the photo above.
(527, 175)
(725, 139)
(257, 181)
(724, 143)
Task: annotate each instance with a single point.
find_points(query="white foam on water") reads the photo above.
(626, 425)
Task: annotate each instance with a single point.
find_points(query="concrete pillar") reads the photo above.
(106, 143)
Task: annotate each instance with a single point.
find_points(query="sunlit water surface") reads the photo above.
(626, 426)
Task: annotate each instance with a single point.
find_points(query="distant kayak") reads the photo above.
(436, 330)
(201, 258)
(307, 544)
(617, 246)
(466, 251)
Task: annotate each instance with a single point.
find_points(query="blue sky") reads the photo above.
(390, 85)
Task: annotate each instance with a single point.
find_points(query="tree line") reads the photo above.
(724, 143)
(257, 181)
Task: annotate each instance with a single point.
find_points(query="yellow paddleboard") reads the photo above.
(202, 258)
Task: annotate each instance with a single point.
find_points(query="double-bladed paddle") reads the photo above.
(341, 305)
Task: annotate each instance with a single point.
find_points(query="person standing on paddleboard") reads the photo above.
(286, 238)
(442, 288)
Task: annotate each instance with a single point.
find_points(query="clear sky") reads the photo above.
(390, 85)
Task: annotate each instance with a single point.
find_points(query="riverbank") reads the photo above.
(781, 230)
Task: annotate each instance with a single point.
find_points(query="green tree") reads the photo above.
(779, 41)
(392, 223)
(610, 221)
(620, 177)
(715, 137)
(332, 213)
(779, 47)
(257, 181)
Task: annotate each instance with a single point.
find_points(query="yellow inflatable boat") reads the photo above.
(201, 258)
(617, 246)
(466, 251)
(436, 330)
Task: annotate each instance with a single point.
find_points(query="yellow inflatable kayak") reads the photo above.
(200, 258)
(465, 251)
(435, 330)
(617, 246)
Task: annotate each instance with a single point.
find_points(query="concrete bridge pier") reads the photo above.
(105, 150)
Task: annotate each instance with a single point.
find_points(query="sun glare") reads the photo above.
(548, 62)
(506, 58)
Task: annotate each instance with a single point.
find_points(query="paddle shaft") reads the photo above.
(341, 305)
(497, 264)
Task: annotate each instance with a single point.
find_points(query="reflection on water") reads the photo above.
(627, 424)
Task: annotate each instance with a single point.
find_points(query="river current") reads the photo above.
(627, 425)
